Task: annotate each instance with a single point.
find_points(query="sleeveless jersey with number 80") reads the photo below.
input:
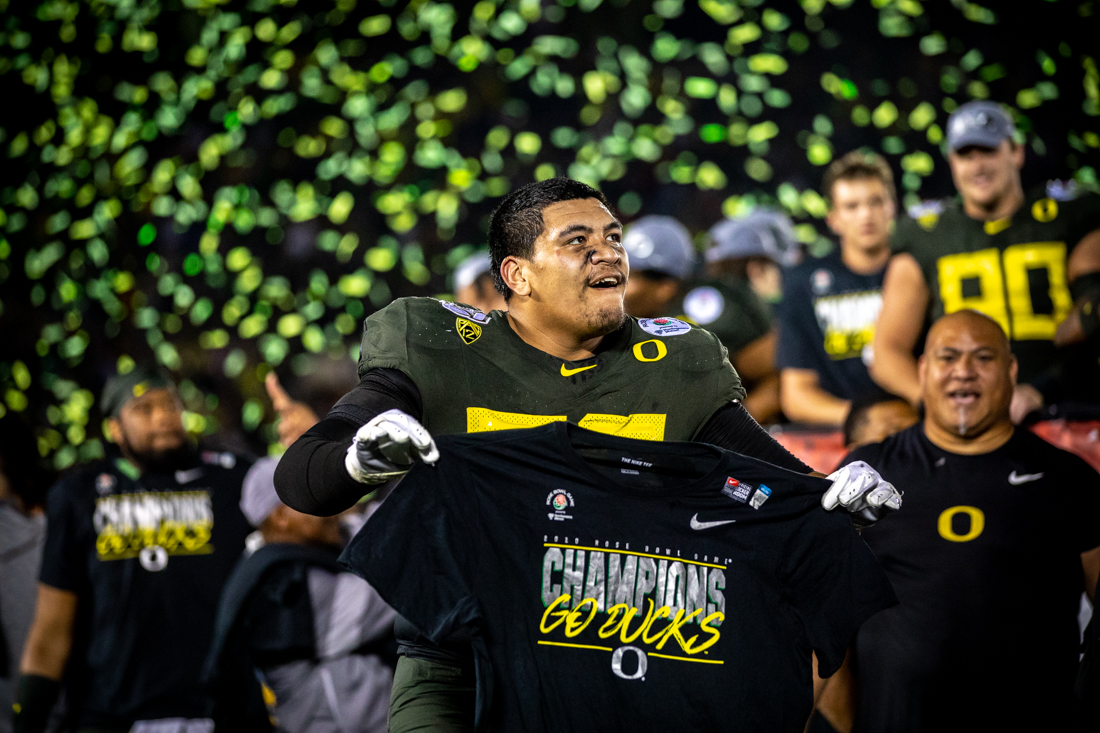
(1013, 270)
(654, 379)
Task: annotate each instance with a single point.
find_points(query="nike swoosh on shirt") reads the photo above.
(696, 524)
(1016, 480)
(570, 372)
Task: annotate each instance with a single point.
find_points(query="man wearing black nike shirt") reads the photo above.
(987, 570)
(564, 350)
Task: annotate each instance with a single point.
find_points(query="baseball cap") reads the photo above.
(660, 244)
(258, 497)
(763, 233)
(978, 123)
(470, 269)
(122, 388)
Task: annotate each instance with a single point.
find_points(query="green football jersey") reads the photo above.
(1013, 270)
(653, 379)
(728, 308)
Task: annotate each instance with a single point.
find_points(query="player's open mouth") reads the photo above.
(606, 282)
(963, 397)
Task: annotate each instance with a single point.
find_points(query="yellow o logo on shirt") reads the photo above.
(662, 351)
(977, 523)
(1044, 210)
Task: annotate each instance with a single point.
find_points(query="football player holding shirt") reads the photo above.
(1028, 262)
(988, 572)
(830, 304)
(563, 351)
(137, 550)
(613, 584)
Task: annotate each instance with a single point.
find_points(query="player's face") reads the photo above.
(985, 176)
(579, 268)
(862, 213)
(149, 428)
(967, 375)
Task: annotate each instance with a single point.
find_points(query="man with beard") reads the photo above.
(987, 566)
(137, 550)
(564, 350)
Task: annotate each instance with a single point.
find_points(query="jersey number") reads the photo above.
(640, 426)
(1004, 288)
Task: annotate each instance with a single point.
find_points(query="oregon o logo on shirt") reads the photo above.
(660, 348)
(947, 530)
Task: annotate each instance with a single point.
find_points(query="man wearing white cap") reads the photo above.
(473, 283)
(1031, 263)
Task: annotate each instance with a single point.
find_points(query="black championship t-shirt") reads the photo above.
(613, 584)
(827, 323)
(985, 558)
(147, 555)
(1013, 270)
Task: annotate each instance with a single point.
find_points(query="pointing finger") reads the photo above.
(280, 400)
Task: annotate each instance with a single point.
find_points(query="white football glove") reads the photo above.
(859, 489)
(387, 446)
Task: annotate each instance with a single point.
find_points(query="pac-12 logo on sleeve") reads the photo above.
(560, 501)
(664, 326)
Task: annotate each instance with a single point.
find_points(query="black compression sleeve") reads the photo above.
(311, 476)
(34, 701)
(733, 428)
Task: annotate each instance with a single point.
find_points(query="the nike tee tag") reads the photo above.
(696, 524)
(1017, 479)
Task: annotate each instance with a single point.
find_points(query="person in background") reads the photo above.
(23, 484)
(474, 284)
(662, 261)
(137, 550)
(1030, 262)
(319, 637)
(987, 564)
(752, 250)
(875, 416)
(831, 303)
(736, 297)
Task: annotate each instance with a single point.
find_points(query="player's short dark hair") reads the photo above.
(517, 222)
(861, 405)
(856, 166)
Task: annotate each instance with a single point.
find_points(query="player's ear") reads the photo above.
(1013, 370)
(922, 371)
(830, 220)
(515, 273)
(114, 430)
(1018, 154)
